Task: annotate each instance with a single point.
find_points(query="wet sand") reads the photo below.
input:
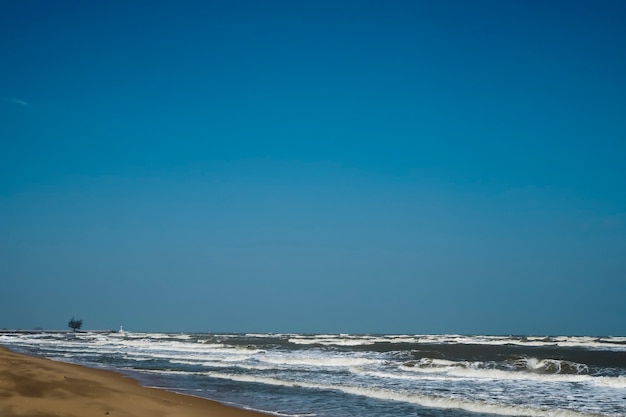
(37, 387)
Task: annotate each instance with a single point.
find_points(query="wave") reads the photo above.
(609, 343)
(321, 361)
(431, 401)
(530, 370)
(460, 372)
(539, 366)
(586, 342)
(554, 366)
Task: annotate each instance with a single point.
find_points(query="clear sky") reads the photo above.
(314, 166)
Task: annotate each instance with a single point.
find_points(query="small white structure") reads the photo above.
(121, 329)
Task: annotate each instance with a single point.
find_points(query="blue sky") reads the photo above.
(388, 167)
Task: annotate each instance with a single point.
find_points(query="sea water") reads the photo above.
(363, 375)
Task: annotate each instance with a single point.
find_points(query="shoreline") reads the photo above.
(36, 386)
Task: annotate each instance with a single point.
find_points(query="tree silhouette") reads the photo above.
(75, 324)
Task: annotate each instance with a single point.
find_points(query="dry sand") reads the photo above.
(38, 387)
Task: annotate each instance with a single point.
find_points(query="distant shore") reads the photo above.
(37, 386)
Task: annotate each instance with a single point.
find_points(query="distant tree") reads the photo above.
(75, 324)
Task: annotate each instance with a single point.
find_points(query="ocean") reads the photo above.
(338, 375)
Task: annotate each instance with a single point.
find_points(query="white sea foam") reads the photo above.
(278, 413)
(556, 366)
(610, 343)
(422, 400)
(167, 372)
(318, 361)
(474, 371)
(618, 382)
(331, 341)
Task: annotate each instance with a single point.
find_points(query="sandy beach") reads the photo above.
(38, 387)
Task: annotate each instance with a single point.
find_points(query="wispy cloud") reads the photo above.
(17, 101)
